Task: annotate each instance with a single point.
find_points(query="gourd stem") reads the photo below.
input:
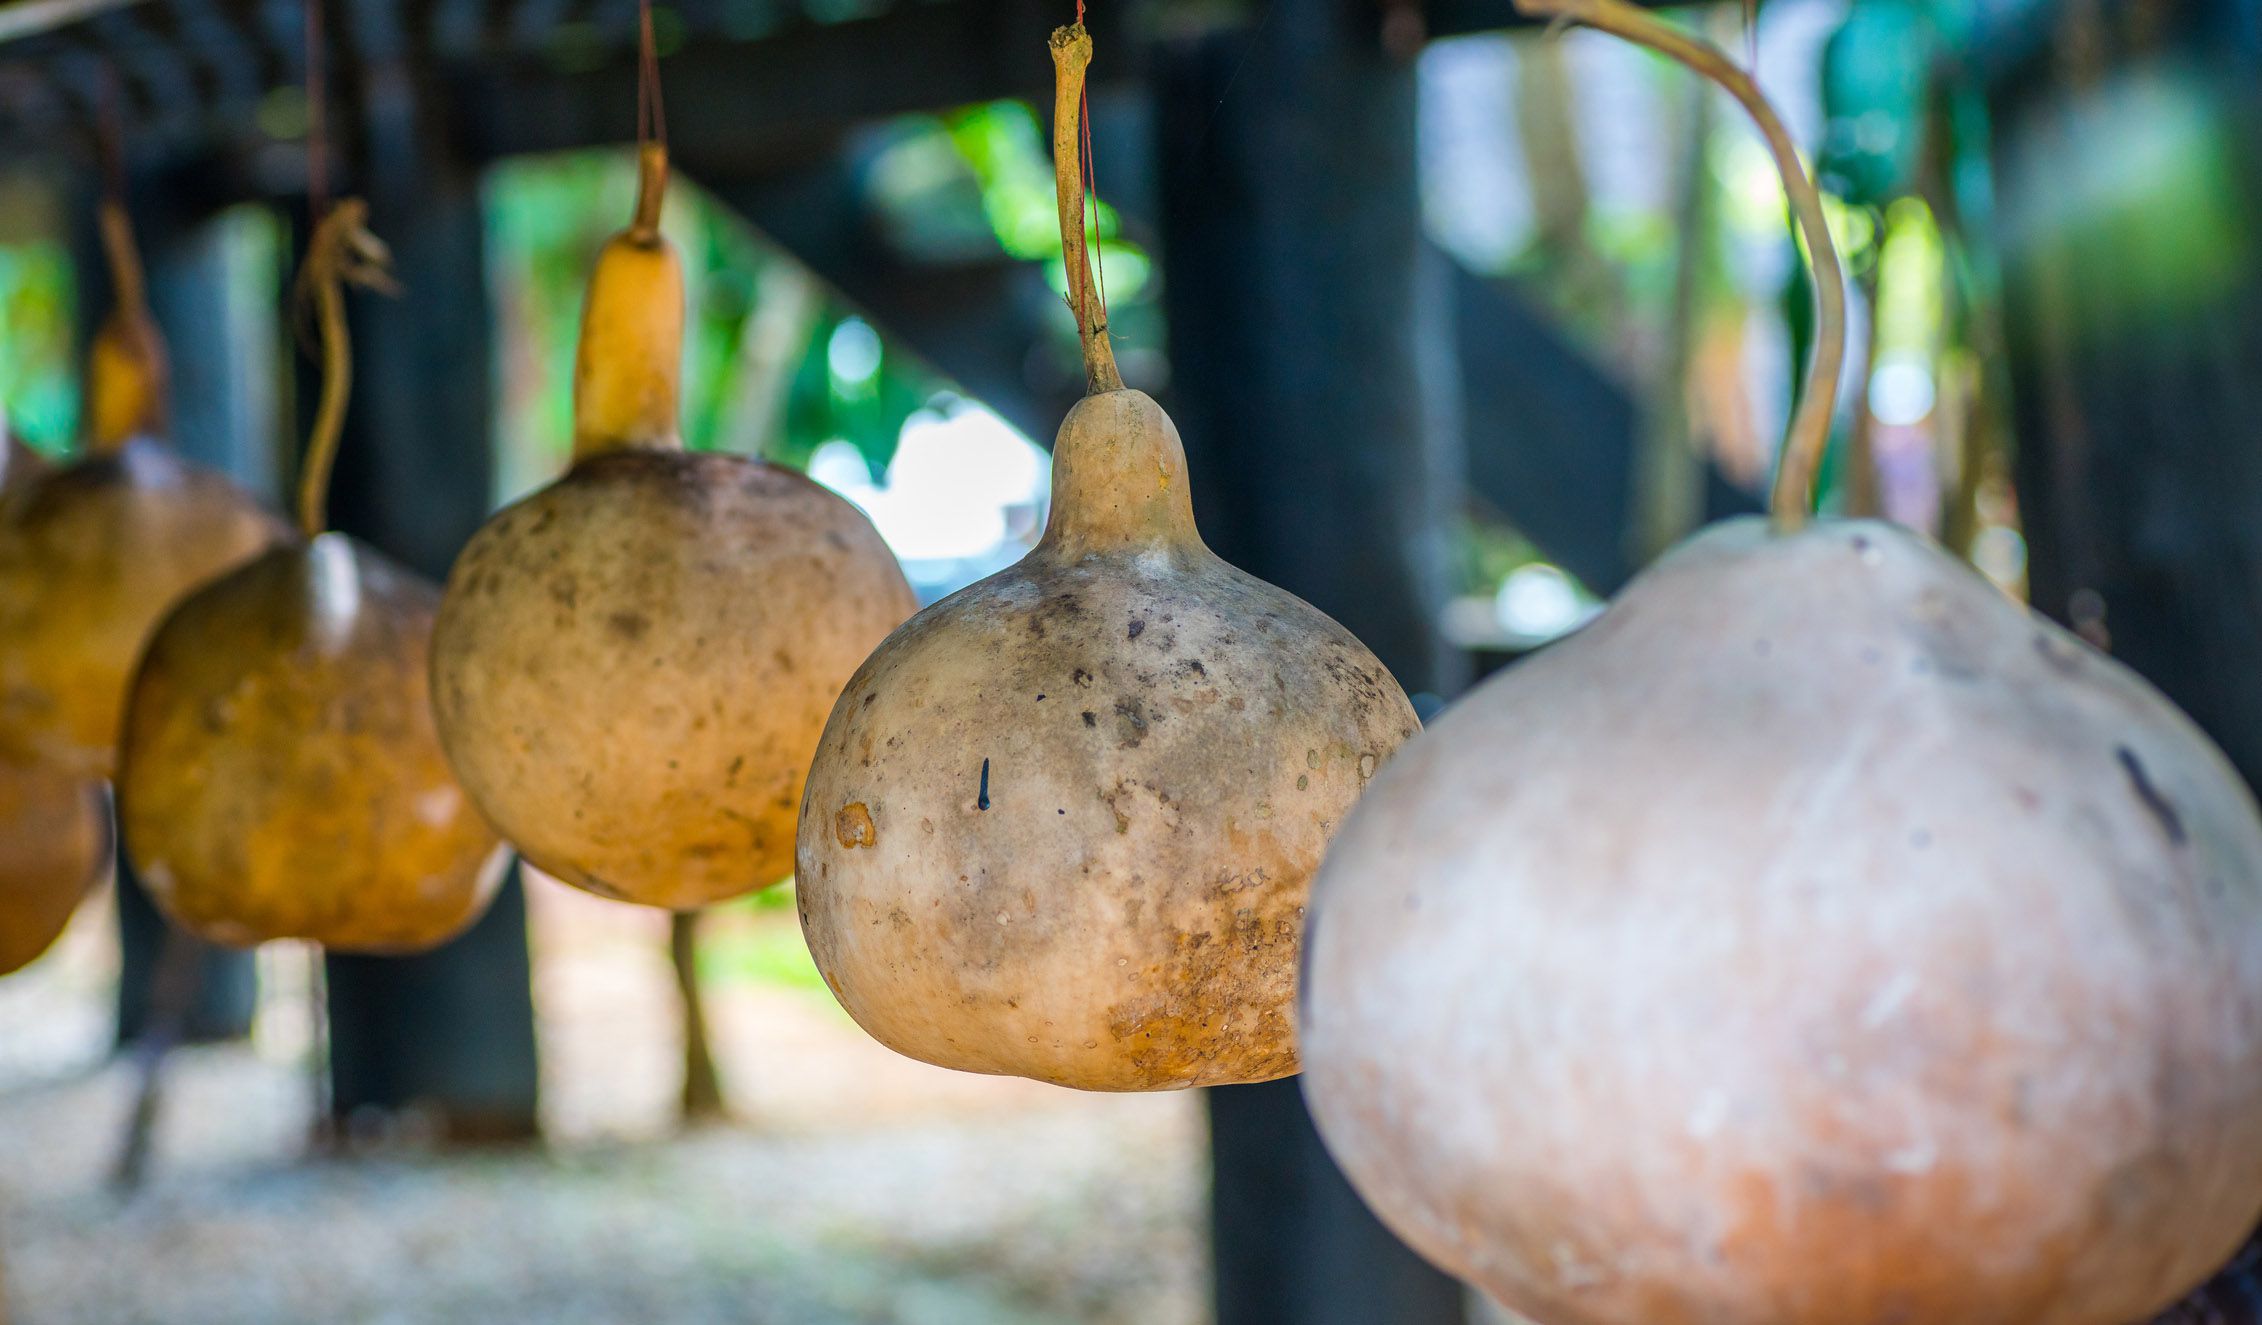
(1071, 57)
(126, 368)
(342, 250)
(128, 290)
(651, 130)
(651, 190)
(1792, 501)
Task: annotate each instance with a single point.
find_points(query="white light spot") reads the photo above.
(1539, 602)
(853, 353)
(1901, 391)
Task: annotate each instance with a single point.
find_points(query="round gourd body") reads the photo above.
(633, 664)
(1818, 938)
(91, 558)
(54, 847)
(280, 775)
(1062, 823)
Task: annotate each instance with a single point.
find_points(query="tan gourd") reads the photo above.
(92, 554)
(633, 664)
(280, 776)
(1062, 823)
(1817, 938)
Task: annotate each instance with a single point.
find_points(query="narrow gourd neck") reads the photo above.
(626, 374)
(127, 387)
(1119, 479)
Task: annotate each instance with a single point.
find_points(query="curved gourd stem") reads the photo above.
(126, 368)
(1071, 57)
(1792, 501)
(342, 252)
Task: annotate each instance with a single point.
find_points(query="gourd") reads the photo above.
(632, 665)
(54, 828)
(280, 776)
(1062, 823)
(92, 554)
(1817, 938)
(54, 847)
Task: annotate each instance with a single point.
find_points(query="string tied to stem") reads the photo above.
(1071, 57)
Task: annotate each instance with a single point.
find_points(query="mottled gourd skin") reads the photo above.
(1819, 938)
(280, 776)
(1169, 744)
(632, 666)
(54, 847)
(91, 557)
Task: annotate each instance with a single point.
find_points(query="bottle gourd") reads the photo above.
(280, 775)
(93, 554)
(632, 664)
(1817, 938)
(1062, 823)
(54, 826)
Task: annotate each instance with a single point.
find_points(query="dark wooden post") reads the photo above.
(449, 1033)
(1312, 378)
(218, 421)
(2137, 394)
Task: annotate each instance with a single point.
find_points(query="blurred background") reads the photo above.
(1463, 323)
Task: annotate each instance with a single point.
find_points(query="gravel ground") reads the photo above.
(853, 1187)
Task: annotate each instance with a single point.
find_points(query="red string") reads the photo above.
(1092, 185)
(317, 139)
(651, 111)
(110, 137)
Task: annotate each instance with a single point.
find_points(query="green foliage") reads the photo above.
(758, 940)
(38, 382)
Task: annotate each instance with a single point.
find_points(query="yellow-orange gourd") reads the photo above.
(280, 775)
(632, 665)
(54, 827)
(94, 553)
(1063, 822)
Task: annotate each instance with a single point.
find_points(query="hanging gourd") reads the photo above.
(54, 847)
(280, 776)
(1817, 938)
(1062, 823)
(632, 664)
(54, 828)
(92, 554)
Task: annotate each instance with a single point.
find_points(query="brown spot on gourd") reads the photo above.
(853, 826)
(628, 625)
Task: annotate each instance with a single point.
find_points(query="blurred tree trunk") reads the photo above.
(702, 1088)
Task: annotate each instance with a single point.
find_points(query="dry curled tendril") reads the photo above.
(342, 252)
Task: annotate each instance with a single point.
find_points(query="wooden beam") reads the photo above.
(1312, 380)
(30, 18)
(448, 1034)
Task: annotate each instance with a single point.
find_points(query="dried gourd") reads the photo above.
(632, 664)
(1062, 823)
(280, 775)
(1817, 938)
(93, 554)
